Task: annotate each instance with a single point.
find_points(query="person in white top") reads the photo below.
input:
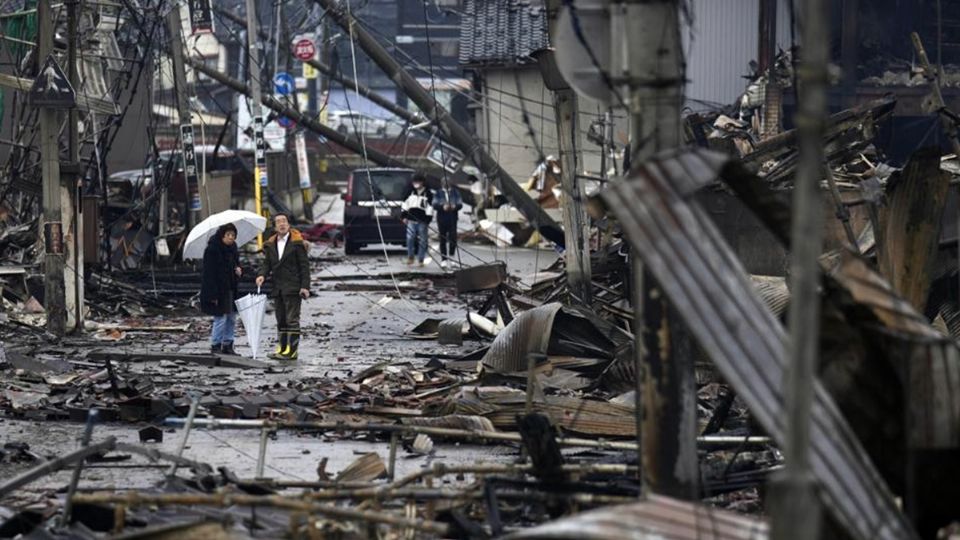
(417, 212)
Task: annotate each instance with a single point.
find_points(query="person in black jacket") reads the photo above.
(285, 261)
(447, 203)
(218, 289)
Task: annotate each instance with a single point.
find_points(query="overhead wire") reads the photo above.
(363, 147)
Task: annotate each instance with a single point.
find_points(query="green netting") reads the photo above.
(22, 27)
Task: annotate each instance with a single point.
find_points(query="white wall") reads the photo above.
(719, 44)
(500, 122)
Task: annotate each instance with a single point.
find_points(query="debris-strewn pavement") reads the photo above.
(373, 396)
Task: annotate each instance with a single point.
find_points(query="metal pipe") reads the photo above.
(186, 434)
(75, 479)
(713, 441)
(54, 465)
(262, 455)
(392, 470)
(223, 500)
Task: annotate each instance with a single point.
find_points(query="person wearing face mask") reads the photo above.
(417, 212)
(285, 261)
(447, 203)
(218, 287)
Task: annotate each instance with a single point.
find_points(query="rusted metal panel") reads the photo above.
(655, 518)
(707, 284)
(869, 289)
(911, 221)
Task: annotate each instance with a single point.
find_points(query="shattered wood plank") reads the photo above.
(707, 284)
(911, 221)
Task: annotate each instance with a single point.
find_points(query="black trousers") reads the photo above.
(287, 310)
(448, 237)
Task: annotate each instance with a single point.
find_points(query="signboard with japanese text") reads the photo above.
(303, 167)
(201, 17)
(260, 150)
(309, 72)
(190, 166)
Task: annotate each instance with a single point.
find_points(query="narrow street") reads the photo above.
(477, 269)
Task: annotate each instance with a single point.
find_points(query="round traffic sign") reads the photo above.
(285, 123)
(283, 83)
(304, 49)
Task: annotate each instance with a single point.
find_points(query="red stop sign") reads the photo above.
(304, 49)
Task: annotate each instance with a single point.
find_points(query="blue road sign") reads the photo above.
(285, 122)
(283, 83)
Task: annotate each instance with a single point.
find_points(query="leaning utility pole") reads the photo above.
(260, 180)
(73, 276)
(175, 29)
(449, 128)
(323, 66)
(796, 510)
(54, 299)
(669, 423)
(349, 142)
(575, 225)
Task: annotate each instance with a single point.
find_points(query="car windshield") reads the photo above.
(388, 185)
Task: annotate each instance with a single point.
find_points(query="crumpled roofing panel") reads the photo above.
(656, 518)
(707, 284)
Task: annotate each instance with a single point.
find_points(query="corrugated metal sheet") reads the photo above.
(659, 518)
(707, 284)
(528, 333)
(720, 44)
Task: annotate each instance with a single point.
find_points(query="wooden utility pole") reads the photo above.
(187, 140)
(306, 190)
(796, 510)
(260, 180)
(669, 424)
(349, 142)
(72, 192)
(54, 299)
(575, 224)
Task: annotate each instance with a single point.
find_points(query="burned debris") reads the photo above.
(629, 325)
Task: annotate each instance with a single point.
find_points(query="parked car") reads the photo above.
(353, 122)
(372, 216)
(130, 187)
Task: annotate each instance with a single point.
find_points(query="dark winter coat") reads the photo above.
(443, 197)
(218, 288)
(291, 272)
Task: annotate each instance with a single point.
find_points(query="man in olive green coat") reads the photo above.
(285, 261)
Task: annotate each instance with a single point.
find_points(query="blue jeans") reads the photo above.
(223, 327)
(416, 233)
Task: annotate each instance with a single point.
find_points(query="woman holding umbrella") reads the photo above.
(218, 289)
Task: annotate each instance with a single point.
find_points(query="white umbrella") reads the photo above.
(251, 309)
(248, 225)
